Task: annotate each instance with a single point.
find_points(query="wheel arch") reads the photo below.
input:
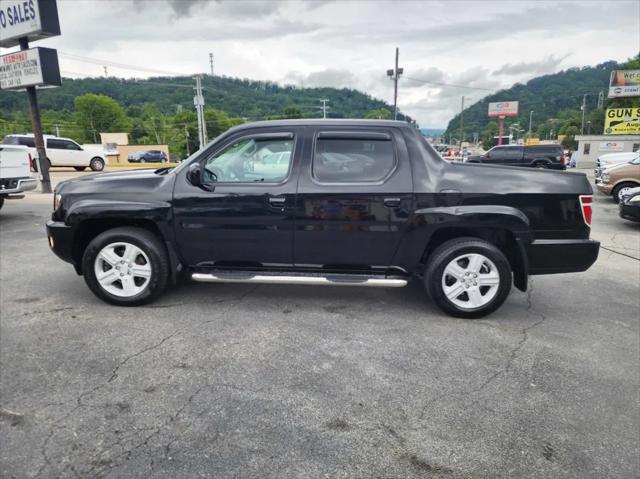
(506, 227)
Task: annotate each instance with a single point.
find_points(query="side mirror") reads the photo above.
(194, 174)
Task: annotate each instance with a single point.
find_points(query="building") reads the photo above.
(590, 147)
(118, 149)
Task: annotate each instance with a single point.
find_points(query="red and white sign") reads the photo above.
(25, 68)
(503, 108)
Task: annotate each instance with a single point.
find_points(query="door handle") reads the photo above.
(392, 202)
(278, 201)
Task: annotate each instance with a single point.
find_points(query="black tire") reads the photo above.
(447, 252)
(615, 193)
(541, 165)
(96, 164)
(149, 243)
(79, 168)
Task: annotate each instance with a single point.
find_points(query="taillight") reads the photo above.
(32, 164)
(587, 210)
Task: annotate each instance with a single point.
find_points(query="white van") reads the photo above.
(15, 172)
(63, 151)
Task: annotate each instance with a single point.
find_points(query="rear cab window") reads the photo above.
(353, 157)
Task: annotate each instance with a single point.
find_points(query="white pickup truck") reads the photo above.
(15, 172)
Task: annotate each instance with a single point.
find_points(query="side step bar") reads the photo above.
(317, 280)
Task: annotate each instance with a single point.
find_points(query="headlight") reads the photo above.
(57, 201)
(634, 199)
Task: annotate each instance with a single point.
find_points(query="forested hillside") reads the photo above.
(160, 110)
(555, 100)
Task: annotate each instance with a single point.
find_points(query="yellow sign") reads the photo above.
(532, 141)
(622, 121)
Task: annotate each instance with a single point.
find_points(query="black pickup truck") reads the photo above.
(324, 202)
(532, 156)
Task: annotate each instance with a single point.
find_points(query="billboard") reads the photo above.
(622, 121)
(624, 83)
(33, 19)
(503, 108)
(33, 67)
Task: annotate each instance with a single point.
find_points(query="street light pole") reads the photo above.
(530, 122)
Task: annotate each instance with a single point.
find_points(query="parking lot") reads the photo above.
(294, 381)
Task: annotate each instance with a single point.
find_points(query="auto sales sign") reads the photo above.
(31, 19)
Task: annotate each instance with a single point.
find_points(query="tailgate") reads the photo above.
(14, 161)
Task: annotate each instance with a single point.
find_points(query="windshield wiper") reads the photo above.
(260, 179)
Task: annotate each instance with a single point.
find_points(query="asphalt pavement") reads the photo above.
(293, 381)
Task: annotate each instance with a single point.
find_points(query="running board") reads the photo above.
(316, 280)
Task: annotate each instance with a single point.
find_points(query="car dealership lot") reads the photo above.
(283, 381)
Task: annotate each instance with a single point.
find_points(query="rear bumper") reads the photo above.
(561, 256)
(11, 186)
(61, 240)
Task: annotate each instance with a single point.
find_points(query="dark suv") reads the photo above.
(150, 156)
(533, 156)
(324, 202)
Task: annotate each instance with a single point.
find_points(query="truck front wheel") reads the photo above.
(468, 277)
(126, 266)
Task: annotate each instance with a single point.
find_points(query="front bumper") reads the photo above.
(12, 186)
(562, 256)
(629, 212)
(61, 239)
(604, 187)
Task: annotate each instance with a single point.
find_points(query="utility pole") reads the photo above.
(584, 109)
(324, 107)
(57, 130)
(600, 100)
(186, 138)
(211, 62)
(43, 161)
(462, 122)
(198, 101)
(394, 75)
(105, 70)
(588, 127)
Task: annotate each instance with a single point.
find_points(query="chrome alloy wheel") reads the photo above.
(122, 269)
(470, 281)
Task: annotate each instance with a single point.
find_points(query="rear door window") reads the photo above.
(27, 141)
(505, 153)
(353, 157)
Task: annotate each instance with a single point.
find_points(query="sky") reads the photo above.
(481, 45)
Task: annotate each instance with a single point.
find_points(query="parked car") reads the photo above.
(148, 156)
(630, 205)
(63, 151)
(534, 156)
(619, 179)
(612, 159)
(356, 203)
(15, 172)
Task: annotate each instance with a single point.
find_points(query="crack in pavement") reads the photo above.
(114, 374)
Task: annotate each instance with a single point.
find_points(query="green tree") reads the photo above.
(292, 112)
(489, 133)
(379, 113)
(218, 122)
(569, 141)
(99, 113)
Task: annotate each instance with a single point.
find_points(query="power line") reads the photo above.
(124, 66)
(448, 84)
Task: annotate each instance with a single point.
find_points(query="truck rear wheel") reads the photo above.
(468, 277)
(126, 266)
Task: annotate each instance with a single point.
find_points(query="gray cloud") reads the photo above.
(549, 64)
